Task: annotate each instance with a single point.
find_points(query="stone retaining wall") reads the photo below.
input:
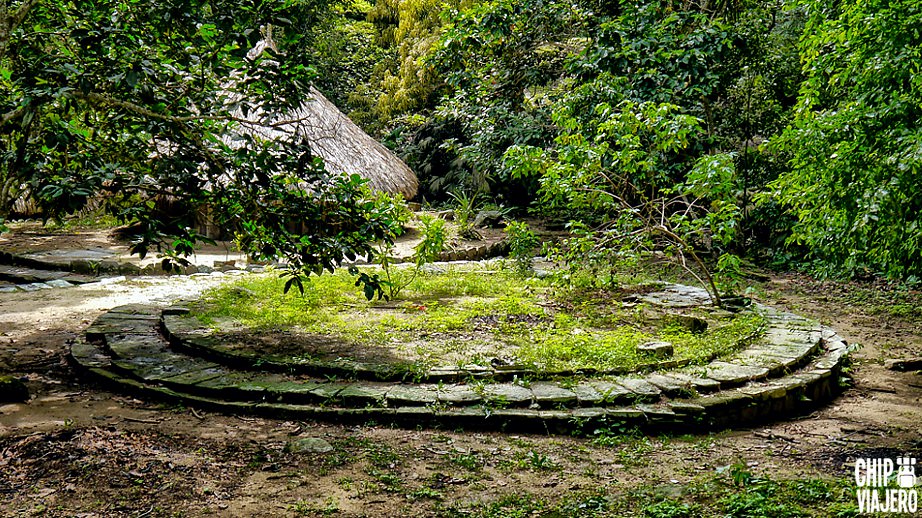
(797, 367)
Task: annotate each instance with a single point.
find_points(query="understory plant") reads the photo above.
(465, 211)
(522, 245)
(609, 167)
(394, 279)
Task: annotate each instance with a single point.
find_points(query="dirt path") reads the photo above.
(78, 450)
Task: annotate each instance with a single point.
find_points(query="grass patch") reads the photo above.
(710, 497)
(463, 317)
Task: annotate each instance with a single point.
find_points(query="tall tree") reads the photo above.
(856, 143)
(187, 101)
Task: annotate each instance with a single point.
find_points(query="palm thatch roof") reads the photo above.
(345, 148)
(341, 143)
(332, 136)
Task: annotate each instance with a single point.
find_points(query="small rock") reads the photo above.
(488, 219)
(544, 274)
(657, 349)
(309, 445)
(152, 269)
(242, 292)
(904, 365)
(225, 265)
(502, 362)
(12, 390)
(735, 303)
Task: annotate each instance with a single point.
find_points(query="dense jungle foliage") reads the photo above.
(784, 130)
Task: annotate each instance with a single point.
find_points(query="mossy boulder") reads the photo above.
(12, 390)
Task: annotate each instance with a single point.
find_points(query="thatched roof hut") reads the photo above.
(342, 145)
(345, 148)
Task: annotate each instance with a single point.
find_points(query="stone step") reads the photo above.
(22, 275)
(147, 358)
(752, 403)
(125, 347)
(788, 344)
(134, 341)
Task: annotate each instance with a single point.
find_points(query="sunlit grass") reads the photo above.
(467, 317)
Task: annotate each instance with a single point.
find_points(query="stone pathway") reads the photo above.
(795, 367)
(65, 268)
(30, 279)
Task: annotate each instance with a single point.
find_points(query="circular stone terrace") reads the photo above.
(160, 352)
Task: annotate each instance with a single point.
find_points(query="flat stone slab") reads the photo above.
(121, 318)
(458, 395)
(776, 360)
(23, 275)
(162, 368)
(309, 445)
(59, 283)
(194, 377)
(678, 296)
(547, 393)
(586, 394)
(89, 254)
(700, 384)
(131, 346)
(236, 385)
(412, 395)
(734, 374)
(329, 391)
(89, 356)
(611, 392)
(34, 286)
(507, 394)
(136, 309)
(641, 388)
(362, 395)
(656, 349)
(670, 385)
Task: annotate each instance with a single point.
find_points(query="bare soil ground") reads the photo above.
(76, 449)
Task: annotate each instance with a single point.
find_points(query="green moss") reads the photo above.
(467, 316)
